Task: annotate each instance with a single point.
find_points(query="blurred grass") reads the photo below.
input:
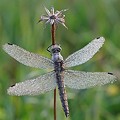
(85, 20)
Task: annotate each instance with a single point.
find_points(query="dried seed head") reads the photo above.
(53, 17)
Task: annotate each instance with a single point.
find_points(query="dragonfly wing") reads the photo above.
(84, 54)
(27, 58)
(82, 80)
(35, 86)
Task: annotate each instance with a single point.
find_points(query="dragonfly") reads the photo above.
(59, 76)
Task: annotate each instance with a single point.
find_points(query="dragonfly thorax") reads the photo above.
(55, 51)
(57, 57)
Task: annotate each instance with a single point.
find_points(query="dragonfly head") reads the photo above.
(54, 48)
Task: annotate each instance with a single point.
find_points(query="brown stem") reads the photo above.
(53, 34)
(54, 104)
(53, 43)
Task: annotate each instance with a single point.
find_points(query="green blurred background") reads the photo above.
(85, 20)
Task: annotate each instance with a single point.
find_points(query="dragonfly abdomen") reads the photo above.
(62, 93)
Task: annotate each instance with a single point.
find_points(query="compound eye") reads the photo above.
(58, 49)
(54, 50)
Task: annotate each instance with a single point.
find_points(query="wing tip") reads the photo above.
(9, 92)
(9, 43)
(114, 75)
(5, 46)
(102, 39)
(110, 73)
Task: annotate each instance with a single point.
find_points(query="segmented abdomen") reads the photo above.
(62, 93)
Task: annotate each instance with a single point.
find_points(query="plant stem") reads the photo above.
(53, 34)
(53, 43)
(54, 104)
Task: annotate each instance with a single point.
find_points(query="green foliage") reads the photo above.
(85, 21)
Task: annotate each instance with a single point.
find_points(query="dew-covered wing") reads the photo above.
(83, 80)
(83, 55)
(28, 58)
(35, 86)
